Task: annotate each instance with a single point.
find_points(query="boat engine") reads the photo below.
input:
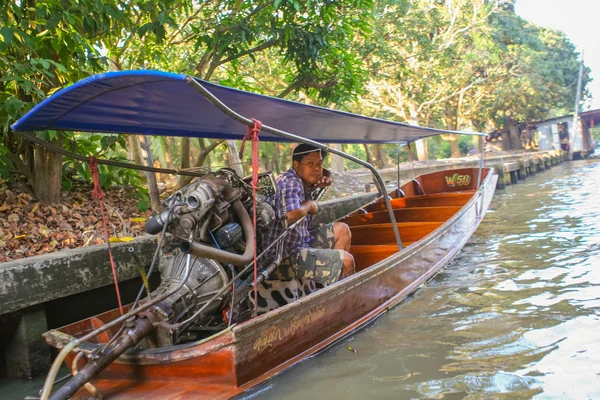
(209, 238)
(212, 223)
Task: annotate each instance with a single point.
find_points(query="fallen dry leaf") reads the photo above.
(28, 228)
(120, 239)
(65, 226)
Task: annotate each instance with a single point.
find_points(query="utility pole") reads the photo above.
(576, 124)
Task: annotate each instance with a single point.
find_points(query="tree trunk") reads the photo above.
(135, 149)
(185, 161)
(422, 151)
(203, 157)
(512, 129)
(152, 184)
(421, 145)
(337, 162)
(382, 159)
(205, 152)
(234, 157)
(368, 153)
(29, 156)
(48, 174)
(276, 163)
(455, 149)
(167, 148)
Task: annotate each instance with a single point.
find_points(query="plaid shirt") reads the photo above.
(290, 196)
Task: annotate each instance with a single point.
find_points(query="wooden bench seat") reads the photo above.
(409, 214)
(384, 234)
(436, 200)
(367, 255)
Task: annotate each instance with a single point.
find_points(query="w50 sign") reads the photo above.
(458, 180)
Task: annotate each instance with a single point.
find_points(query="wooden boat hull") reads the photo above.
(250, 353)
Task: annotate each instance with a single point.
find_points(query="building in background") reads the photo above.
(559, 133)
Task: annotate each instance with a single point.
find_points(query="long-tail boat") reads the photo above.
(198, 335)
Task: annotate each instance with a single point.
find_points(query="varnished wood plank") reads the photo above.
(410, 214)
(367, 255)
(447, 199)
(384, 234)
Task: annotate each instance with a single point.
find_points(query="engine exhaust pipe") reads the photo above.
(201, 250)
(142, 328)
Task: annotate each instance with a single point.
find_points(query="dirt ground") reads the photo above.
(28, 228)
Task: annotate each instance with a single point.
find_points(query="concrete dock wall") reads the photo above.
(28, 285)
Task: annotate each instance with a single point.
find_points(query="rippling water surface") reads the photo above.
(515, 315)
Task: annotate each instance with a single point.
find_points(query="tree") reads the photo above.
(418, 59)
(531, 75)
(48, 45)
(308, 38)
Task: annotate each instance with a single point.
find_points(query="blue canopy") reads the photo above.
(162, 103)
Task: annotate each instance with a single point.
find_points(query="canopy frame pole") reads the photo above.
(481, 160)
(398, 163)
(248, 122)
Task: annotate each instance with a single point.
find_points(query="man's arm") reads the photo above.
(308, 207)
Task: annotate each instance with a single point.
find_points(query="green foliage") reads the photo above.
(45, 45)
(438, 148)
(465, 64)
(467, 143)
(461, 64)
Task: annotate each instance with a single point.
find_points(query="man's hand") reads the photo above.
(323, 182)
(312, 206)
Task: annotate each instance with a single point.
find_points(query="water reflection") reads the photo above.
(516, 314)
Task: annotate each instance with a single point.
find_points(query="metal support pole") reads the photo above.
(248, 122)
(398, 163)
(577, 128)
(481, 162)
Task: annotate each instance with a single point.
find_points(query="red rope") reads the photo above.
(98, 194)
(253, 136)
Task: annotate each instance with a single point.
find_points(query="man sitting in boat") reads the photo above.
(320, 254)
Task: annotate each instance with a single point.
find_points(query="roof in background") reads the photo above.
(162, 103)
(586, 115)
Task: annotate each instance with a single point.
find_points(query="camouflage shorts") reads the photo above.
(319, 262)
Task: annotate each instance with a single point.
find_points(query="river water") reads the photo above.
(516, 315)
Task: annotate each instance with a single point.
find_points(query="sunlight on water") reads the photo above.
(515, 315)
